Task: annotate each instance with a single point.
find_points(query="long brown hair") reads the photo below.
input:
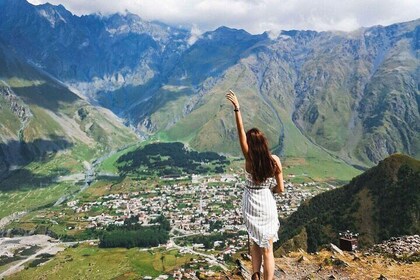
(263, 165)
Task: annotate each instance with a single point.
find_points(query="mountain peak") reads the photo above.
(54, 14)
(231, 34)
(389, 168)
(400, 159)
(127, 16)
(227, 31)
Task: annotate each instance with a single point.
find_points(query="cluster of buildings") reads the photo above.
(189, 207)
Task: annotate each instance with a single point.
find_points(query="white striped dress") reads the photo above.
(260, 211)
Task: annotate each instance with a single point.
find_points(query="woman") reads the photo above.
(258, 203)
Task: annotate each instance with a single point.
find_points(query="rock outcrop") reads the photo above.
(404, 247)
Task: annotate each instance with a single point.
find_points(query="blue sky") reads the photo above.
(256, 16)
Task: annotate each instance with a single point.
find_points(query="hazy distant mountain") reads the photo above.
(381, 203)
(93, 52)
(349, 95)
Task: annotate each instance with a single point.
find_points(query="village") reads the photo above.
(190, 208)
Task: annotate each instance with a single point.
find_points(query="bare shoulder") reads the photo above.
(277, 160)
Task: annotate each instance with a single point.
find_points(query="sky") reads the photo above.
(256, 16)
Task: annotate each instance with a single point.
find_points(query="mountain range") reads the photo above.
(348, 96)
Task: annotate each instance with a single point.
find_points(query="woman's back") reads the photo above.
(269, 183)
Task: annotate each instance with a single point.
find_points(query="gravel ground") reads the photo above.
(45, 244)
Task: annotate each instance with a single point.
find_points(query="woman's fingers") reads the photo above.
(232, 98)
(230, 95)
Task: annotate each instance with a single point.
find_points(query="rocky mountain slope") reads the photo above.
(381, 203)
(41, 117)
(328, 264)
(352, 96)
(93, 53)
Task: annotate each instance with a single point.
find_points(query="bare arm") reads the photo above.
(279, 176)
(241, 132)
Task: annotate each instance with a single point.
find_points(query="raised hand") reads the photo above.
(233, 99)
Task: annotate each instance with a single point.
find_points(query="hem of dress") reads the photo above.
(264, 242)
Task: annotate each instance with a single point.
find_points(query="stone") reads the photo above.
(302, 259)
(338, 262)
(335, 249)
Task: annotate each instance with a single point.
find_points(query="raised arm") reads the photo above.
(239, 125)
(278, 175)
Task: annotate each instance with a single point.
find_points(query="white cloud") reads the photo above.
(257, 16)
(195, 34)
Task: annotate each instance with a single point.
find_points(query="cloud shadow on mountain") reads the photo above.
(46, 95)
(24, 179)
(14, 155)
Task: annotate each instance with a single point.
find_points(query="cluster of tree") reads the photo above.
(398, 205)
(170, 159)
(393, 191)
(215, 225)
(89, 233)
(329, 208)
(143, 237)
(42, 258)
(133, 234)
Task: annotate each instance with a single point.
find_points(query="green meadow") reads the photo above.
(88, 262)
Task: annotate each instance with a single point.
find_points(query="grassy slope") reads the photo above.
(362, 111)
(23, 200)
(212, 127)
(394, 95)
(13, 124)
(35, 186)
(303, 157)
(86, 262)
(329, 96)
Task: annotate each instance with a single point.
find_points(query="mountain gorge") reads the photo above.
(334, 95)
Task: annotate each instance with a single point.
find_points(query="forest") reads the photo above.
(163, 159)
(132, 234)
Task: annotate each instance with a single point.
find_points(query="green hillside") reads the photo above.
(211, 127)
(46, 132)
(380, 203)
